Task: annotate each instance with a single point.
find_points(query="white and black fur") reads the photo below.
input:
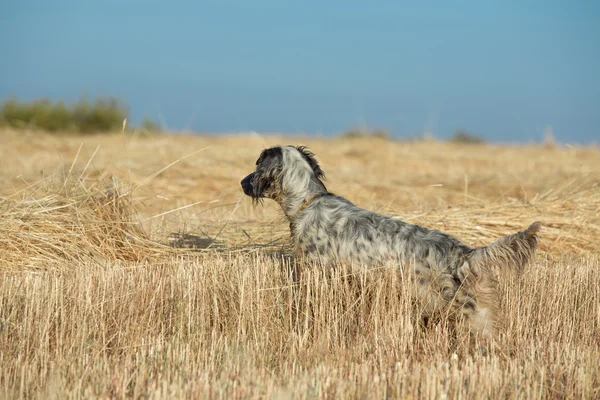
(329, 229)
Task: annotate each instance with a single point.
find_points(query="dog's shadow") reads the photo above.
(192, 242)
(281, 255)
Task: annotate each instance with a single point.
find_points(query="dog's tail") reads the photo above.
(511, 252)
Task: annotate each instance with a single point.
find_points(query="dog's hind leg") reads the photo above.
(479, 317)
(477, 299)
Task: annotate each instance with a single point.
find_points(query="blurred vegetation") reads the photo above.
(421, 137)
(362, 133)
(82, 117)
(149, 125)
(462, 136)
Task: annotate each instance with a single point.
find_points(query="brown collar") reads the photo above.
(311, 198)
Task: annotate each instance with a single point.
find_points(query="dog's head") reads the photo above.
(283, 170)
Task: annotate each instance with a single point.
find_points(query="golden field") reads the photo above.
(94, 302)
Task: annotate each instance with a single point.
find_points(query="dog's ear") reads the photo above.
(266, 154)
(267, 167)
(258, 187)
(312, 161)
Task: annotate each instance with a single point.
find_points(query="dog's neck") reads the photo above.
(293, 203)
(305, 203)
(298, 183)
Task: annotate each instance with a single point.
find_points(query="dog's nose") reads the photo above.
(246, 186)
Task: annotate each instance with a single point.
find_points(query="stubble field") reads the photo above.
(103, 296)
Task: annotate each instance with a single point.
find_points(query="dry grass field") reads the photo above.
(96, 302)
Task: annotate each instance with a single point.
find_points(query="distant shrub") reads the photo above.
(83, 116)
(461, 136)
(149, 125)
(421, 137)
(101, 116)
(362, 133)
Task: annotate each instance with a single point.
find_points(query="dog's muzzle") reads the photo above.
(247, 185)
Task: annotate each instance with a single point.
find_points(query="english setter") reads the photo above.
(329, 229)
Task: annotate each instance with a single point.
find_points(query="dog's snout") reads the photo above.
(246, 180)
(247, 184)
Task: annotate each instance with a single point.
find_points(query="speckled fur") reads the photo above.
(330, 230)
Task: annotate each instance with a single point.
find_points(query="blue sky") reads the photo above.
(504, 70)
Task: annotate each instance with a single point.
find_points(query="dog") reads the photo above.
(329, 230)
